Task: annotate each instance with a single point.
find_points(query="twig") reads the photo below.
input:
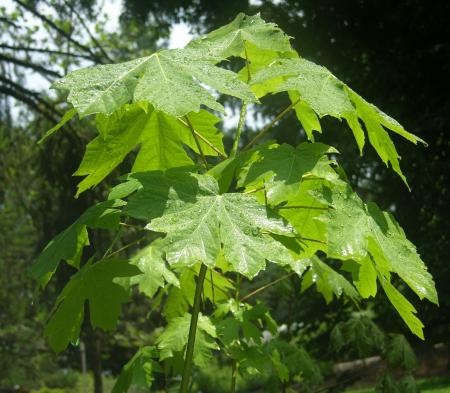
(80, 18)
(59, 30)
(44, 50)
(26, 64)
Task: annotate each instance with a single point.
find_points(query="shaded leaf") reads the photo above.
(69, 243)
(328, 282)
(155, 273)
(138, 371)
(93, 284)
(175, 337)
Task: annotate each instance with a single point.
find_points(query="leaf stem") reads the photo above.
(234, 361)
(237, 138)
(200, 136)
(302, 207)
(187, 367)
(239, 130)
(270, 284)
(267, 128)
(110, 254)
(194, 134)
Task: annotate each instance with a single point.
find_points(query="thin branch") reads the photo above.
(30, 93)
(205, 163)
(267, 128)
(206, 141)
(94, 40)
(44, 50)
(9, 22)
(26, 64)
(270, 284)
(27, 100)
(59, 30)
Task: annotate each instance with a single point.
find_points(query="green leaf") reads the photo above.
(327, 95)
(306, 115)
(280, 169)
(216, 288)
(246, 322)
(67, 116)
(389, 384)
(403, 307)
(175, 337)
(328, 282)
(356, 229)
(155, 273)
(199, 222)
(230, 40)
(399, 353)
(358, 333)
(225, 172)
(170, 80)
(119, 134)
(138, 371)
(94, 284)
(69, 243)
(280, 368)
(364, 276)
(161, 139)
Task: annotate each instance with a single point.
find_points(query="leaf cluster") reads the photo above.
(264, 203)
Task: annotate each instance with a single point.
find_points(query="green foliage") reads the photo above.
(322, 92)
(223, 220)
(138, 371)
(231, 40)
(200, 222)
(328, 282)
(359, 333)
(161, 139)
(399, 353)
(69, 244)
(94, 283)
(155, 274)
(175, 337)
(165, 79)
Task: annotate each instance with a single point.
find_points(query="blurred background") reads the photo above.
(395, 54)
